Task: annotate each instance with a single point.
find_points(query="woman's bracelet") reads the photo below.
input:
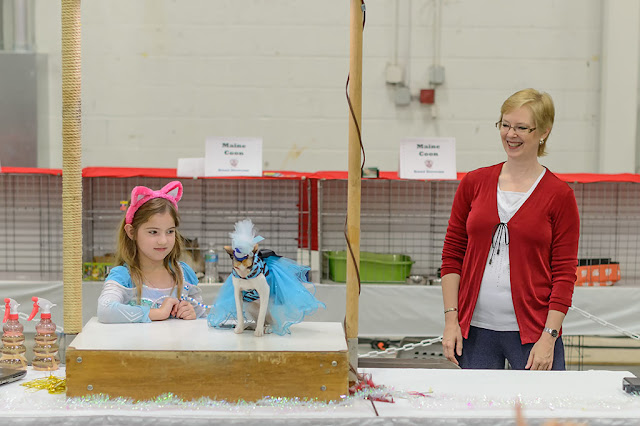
(450, 309)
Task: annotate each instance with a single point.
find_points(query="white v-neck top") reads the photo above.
(494, 307)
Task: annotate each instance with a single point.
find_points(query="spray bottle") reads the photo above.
(45, 350)
(13, 348)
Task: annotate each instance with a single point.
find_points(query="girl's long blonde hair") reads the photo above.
(127, 248)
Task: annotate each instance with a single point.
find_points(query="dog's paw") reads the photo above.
(267, 329)
(259, 332)
(238, 329)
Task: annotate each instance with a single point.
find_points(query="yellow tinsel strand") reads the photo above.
(54, 385)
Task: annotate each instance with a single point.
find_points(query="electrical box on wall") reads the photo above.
(402, 96)
(394, 74)
(436, 74)
(427, 96)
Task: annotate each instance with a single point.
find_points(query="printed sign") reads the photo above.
(428, 158)
(233, 156)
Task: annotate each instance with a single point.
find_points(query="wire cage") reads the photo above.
(407, 217)
(397, 216)
(610, 224)
(31, 218)
(30, 227)
(411, 218)
(208, 210)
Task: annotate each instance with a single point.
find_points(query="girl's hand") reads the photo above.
(167, 309)
(185, 311)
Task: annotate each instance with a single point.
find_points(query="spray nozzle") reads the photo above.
(44, 305)
(10, 309)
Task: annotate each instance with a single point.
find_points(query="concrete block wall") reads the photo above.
(159, 76)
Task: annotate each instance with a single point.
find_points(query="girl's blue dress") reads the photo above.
(289, 299)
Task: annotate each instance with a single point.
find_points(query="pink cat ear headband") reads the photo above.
(141, 194)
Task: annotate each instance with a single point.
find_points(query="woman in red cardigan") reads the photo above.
(510, 253)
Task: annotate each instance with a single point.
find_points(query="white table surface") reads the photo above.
(196, 335)
(454, 397)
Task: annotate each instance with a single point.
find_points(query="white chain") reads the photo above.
(605, 323)
(407, 347)
(428, 342)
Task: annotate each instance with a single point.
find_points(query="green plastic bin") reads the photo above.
(374, 267)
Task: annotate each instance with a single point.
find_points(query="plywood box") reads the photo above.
(191, 360)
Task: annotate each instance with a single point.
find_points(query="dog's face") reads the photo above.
(242, 268)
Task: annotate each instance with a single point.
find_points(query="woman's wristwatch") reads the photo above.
(551, 331)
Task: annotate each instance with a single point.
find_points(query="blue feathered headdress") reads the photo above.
(243, 239)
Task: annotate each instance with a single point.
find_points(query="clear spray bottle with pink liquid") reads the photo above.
(13, 348)
(45, 349)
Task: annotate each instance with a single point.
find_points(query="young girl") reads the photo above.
(150, 282)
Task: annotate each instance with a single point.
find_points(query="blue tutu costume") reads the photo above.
(289, 299)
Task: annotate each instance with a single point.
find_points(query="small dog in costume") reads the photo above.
(264, 287)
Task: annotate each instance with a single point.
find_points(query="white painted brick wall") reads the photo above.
(159, 76)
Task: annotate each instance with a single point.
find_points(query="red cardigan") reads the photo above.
(543, 247)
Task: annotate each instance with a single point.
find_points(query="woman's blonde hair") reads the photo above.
(127, 248)
(541, 106)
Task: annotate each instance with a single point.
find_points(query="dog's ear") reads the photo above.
(255, 249)
(229, 250)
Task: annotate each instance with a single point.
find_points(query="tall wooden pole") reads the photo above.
(71, 168)
(353, 195)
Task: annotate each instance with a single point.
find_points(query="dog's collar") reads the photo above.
(259, 267)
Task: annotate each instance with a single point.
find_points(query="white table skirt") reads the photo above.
(489, 396)
(393, 311)
(453, 397)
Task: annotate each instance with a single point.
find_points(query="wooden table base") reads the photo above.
(191, 360)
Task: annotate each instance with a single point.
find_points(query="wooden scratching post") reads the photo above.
(353, 195)
(71, 168)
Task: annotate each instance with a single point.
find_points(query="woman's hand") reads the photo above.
(168, 307)
(452, 338)
(185, 310)
(541, 355)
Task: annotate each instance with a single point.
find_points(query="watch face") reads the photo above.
(553, 333)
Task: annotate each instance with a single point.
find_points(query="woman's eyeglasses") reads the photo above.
(520, 130)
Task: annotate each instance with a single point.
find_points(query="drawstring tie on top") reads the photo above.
(499, 231)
